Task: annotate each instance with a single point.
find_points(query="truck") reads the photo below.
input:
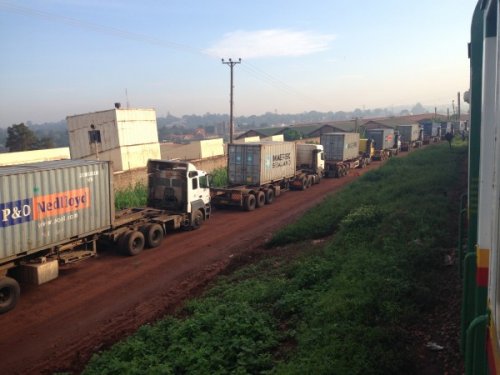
(55, 213)
(342, 153)
(410, 136)
(385, 143)
(259, 171)
(366, 149)
(432, 132)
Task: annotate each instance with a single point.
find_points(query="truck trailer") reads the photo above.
(259, 171)
(385, 142)
(342, 153)
(410, 136)
(432, 132)
(54, 213)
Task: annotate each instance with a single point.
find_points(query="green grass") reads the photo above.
(339, 307)
(219, 177)
(133, 196)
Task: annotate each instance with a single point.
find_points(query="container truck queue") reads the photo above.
(58, 212)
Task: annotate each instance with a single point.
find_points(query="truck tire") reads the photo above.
(269, 196)
(303, 183)
(9, 294)
(249, 203)
(132, 242)
(197, 220)
(260, 199)
(153, 234)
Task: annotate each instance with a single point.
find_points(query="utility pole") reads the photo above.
(458, 105)
(231, 65)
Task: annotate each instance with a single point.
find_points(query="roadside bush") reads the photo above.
(133, 196)
(219, 177)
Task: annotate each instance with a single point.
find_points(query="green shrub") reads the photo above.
(133, 196)
(219, 177)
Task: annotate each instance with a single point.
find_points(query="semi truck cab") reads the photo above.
(311, 157)
(178, 187)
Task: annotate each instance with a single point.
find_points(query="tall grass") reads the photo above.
(342, 307)
(219, 177)
(132, 196)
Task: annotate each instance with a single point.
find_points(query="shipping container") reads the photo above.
(340, 146)
(260, 163)
(127, 137)
(432, 129)
(409, 133)
(446, 127)
(383, 138)
(47, 204)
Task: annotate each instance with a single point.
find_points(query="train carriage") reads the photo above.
(481, 272)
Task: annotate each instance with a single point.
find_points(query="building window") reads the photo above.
(95, 136)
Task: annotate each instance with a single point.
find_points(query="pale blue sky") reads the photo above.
(64, 57)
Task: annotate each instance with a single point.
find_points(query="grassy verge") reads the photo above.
(133, 196)
(219, 177)
(342, 306)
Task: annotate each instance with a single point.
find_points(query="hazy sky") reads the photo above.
(65, 57)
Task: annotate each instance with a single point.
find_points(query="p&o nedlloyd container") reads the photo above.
(46, 204)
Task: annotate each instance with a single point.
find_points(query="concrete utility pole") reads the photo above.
(458, 105)
(231, 65)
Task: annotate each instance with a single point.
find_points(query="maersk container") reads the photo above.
(47, 204)
(409, 133)
(383, 138)
(260, 163)
(340, 146)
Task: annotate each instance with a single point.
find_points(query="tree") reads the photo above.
(20, 138)
(418, 109)
(291, 135)
(44, 143)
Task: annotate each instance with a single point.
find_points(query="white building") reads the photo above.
(34, 156)
(127, 137)
(203, 149)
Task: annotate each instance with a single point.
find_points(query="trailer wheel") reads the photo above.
(197, 220)
(153, 234)
(260, 199)
(9, 294)
(269, 196)
(132, 242)
(249, 203)
(303, 183)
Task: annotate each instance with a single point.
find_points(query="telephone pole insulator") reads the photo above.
(231, 65)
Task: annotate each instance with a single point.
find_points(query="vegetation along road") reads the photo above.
(296, 300)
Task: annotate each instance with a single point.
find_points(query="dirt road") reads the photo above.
(59, 325)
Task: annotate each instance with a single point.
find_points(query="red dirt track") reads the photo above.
(59, 325)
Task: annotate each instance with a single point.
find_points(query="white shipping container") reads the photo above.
(260, 163)
(104, 135)
(340, 146)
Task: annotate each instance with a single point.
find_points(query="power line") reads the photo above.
(252, 70)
